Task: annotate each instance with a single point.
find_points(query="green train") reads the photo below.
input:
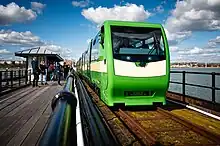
(128, 62)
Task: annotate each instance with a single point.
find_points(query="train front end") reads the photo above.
(139, 66)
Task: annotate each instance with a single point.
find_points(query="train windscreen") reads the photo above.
(137, 44)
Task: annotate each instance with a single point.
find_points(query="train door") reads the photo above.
(103, 60)
(89, 61)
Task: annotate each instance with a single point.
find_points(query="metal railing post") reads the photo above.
(11, 77)
(26, 76)
(0, 81)
(213, 87)
(19, 77)
(183, 85)
(6, 77)
(29, 76)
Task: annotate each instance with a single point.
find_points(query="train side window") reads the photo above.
(94, 42)
(95, 48)
(101, 36)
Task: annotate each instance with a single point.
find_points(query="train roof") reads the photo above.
(131, 23)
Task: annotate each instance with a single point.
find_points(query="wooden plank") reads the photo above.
(13, 94)
(9, 120)
(35, 133)
(19, 119)
(17, 103)
(28, 113)
(6, 90)
(23, 132)
(29, 101)
(58, 89)
(12, 100)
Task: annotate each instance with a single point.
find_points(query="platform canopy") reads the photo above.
(39, 51)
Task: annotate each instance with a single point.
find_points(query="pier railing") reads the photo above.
(11, 79)
(61, 129)
(213, 87)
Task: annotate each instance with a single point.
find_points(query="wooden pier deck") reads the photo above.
(24, 114)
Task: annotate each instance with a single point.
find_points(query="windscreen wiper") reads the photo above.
(156, 45)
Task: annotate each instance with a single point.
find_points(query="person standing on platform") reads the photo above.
(58, 73)
(51, 71)
(36, 71)
(43, 73)
(66, 70)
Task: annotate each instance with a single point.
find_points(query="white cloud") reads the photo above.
(27, 40)
(81, 4)
(203, 54)
(63, 52)
(12, 13)
(19, 38)
(214, 42)
(175, 38)
(194, 15)
(191, 15)
(200, 51)
(129, 12)
(38, 7)
(209, 58)
(4, 51)
(159, 9)
(52, 47)
(173, 48)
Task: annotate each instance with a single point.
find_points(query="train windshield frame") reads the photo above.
(137, 44)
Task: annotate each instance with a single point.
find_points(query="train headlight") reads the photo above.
(128, 57)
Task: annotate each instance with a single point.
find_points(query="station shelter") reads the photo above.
(42, 54)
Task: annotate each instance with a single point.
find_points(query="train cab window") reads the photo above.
(137, 44)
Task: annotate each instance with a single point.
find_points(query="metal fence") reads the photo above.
(10, 79)
(213, 87)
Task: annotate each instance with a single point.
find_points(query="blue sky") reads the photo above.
(64, 26)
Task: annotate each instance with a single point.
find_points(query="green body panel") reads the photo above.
(157, 85)
(112, 87)
(96, 78)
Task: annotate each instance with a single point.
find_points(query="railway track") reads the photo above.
(153, 127)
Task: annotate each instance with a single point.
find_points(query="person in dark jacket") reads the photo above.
(66, 70)
(58, 72)
(36, 71)
(51, 70)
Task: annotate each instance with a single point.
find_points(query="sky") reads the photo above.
(64, 26)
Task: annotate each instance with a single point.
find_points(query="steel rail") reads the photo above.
(144, 136)
(196, 128)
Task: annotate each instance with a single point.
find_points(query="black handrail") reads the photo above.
(69, 83)
(61, 129)
(183, 83)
